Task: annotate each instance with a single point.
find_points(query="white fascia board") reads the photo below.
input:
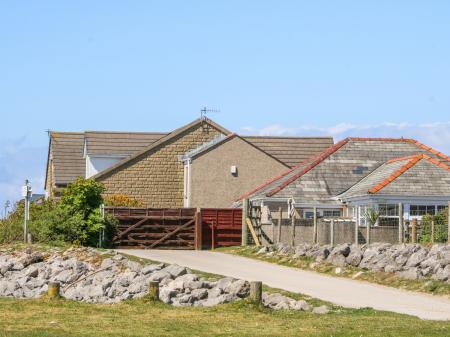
(392, 199)
(109, 155)
(318, 205)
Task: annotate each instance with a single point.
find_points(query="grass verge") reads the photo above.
(45, 318)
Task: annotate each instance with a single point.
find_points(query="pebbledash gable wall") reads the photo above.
(156, 177)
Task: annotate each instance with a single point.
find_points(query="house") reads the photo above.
(360, 173)
(200, 164)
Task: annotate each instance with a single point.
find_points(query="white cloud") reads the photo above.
(436, 135)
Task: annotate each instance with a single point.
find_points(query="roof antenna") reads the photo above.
(205, 110)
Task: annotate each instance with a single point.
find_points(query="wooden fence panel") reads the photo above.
(221, 227)
(177, 228)
(154, 228)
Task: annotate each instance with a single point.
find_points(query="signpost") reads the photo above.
(26, 194)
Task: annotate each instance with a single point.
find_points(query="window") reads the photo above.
(308, 215)
(419, 210)
(440, 208)
(388, 209)
(332, 213)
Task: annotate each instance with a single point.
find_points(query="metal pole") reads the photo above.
(26, 194)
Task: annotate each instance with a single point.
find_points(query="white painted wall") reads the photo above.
(95, 165)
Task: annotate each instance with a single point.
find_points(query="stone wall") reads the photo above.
(409, 261)
(49, 182)
(156, 177)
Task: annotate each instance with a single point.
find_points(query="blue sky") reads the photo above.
(362, 68)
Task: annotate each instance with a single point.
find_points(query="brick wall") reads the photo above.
(156, 177)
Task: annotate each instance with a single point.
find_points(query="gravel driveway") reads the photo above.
(341, 291)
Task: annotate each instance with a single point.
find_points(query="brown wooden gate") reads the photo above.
(154, 228)
(178, 228)
(221, 227)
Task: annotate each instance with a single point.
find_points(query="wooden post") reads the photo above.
(448, 223)
(401, 223)
(280, 220)
(198, 229)
(315, 225)
(256, 292)
(432, 231)
(414, 231)
(213, 234)
(273, 225)
(244, 241)
(153, 291)
(332, 232)
(29, 239)
(53, 290)
(293, 230)
(367, 232)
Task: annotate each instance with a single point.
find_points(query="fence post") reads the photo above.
(153, 291)
(293, 230)
(315, 225)
(356, 233)
(432, 231)
(53, 290)
(280, 219)
(401, 222)
(244, 241)
(414, 231)
(256, 292)
(198, 229)
(332, 232)
(448, 223)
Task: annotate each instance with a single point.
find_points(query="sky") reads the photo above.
(342, 68)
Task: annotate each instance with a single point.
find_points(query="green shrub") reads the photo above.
(75, 219)
(122, 200)
(440, 227)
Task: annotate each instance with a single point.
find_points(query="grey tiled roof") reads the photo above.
(67, 148)
(67, 155)
(119, 143)
(337, 169)
(423, 179)
(291, 150)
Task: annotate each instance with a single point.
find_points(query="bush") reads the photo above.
(122, 200)
(440, 227)
(11, 228)
(75, 219)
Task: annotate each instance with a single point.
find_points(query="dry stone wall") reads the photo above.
(409, 261)
(89, 275)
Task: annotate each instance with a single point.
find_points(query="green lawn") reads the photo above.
(43, 317)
